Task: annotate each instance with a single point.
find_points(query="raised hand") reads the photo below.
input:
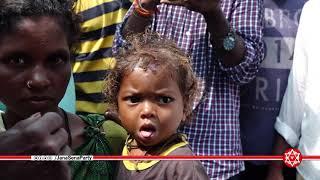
(201, 6)
(37, 135)
(148, 4)
(173, 2)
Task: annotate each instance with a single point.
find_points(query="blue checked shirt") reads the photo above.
(215, 128)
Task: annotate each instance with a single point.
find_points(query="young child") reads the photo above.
(153, 88)
(35, 66)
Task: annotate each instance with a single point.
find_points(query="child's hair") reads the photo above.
(149, 51)
(12, 11)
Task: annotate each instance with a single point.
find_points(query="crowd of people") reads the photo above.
(152, 77)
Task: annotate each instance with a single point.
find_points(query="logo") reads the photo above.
(292, 157)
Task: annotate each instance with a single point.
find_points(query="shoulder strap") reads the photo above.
(66, 122)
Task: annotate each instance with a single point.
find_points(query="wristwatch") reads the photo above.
(229, 41)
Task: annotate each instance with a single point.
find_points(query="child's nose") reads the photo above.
(148, 110)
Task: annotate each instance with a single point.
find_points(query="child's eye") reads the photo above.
(133, 99)
(165, 99)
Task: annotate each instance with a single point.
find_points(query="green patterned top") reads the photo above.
(102, 138)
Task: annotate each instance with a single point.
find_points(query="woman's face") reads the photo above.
(34, 66)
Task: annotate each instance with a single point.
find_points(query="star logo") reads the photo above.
(292, 157)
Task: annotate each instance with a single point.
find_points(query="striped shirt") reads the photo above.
(215, 128)
(93, 54)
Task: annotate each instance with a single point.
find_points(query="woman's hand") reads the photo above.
(37, 135)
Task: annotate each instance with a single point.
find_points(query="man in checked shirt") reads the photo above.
(224, 39)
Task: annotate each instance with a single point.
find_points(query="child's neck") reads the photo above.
(137, 149)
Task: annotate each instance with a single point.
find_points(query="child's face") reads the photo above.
(150, 106)
(38, 53)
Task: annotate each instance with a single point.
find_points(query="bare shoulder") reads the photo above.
(75, 121)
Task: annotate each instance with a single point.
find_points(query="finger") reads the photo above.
(40, 130)
(66, 150)
(24, 123)
(47, 124)
(56, 142)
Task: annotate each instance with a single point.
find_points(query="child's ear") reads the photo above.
(184, 118)
(183, 121)
(112, 115)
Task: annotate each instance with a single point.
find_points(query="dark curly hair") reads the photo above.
(13, 11)
(150, 51)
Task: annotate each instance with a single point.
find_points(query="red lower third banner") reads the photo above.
(291, 157)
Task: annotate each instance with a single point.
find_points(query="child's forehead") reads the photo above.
(151, 76)
(160, 70)
(153, 62)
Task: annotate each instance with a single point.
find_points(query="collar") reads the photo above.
(134, 166)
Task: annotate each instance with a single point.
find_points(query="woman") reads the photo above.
(35, 66)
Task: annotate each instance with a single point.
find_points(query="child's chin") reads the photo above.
(147, 142)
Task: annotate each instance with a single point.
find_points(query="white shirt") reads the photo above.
(299, 118)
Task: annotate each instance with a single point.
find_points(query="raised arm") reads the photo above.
(140, 17)
(238, 20)
(245, 24)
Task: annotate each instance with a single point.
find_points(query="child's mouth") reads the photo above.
(147, 131)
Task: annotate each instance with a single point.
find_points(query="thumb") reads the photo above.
(24, 123)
